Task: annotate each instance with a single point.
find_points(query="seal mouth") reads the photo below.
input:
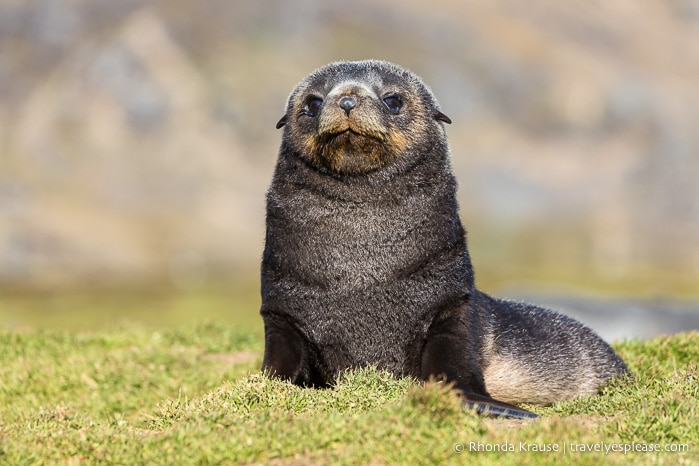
(351, 141)
(349, 135)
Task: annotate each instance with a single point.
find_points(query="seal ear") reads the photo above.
(282, 122)
(439, 116)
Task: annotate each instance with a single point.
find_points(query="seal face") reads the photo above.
(354, 118)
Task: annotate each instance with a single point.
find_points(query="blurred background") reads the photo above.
(137, 141)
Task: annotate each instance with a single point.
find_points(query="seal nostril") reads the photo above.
(347, 103)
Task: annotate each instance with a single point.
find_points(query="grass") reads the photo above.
(194, 395)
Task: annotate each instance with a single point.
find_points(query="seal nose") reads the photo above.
(347, 103)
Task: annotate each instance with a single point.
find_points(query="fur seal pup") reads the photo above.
(365, 259)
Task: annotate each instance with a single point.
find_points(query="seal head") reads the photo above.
(353, 118)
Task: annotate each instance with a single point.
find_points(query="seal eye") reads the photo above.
(313, 105)
(394, 103)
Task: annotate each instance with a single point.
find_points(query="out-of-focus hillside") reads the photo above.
(137, 138)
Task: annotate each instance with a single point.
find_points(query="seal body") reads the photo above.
(366, 261)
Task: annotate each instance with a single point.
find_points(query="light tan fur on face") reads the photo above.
(361, 138)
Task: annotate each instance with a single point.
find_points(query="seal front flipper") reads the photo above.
(447, 355)
(486, 406)
(288, 354)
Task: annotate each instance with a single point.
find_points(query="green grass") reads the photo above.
(194, 395)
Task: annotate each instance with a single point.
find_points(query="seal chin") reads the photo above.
(352, 153)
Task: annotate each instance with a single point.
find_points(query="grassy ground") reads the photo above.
(194, 395)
